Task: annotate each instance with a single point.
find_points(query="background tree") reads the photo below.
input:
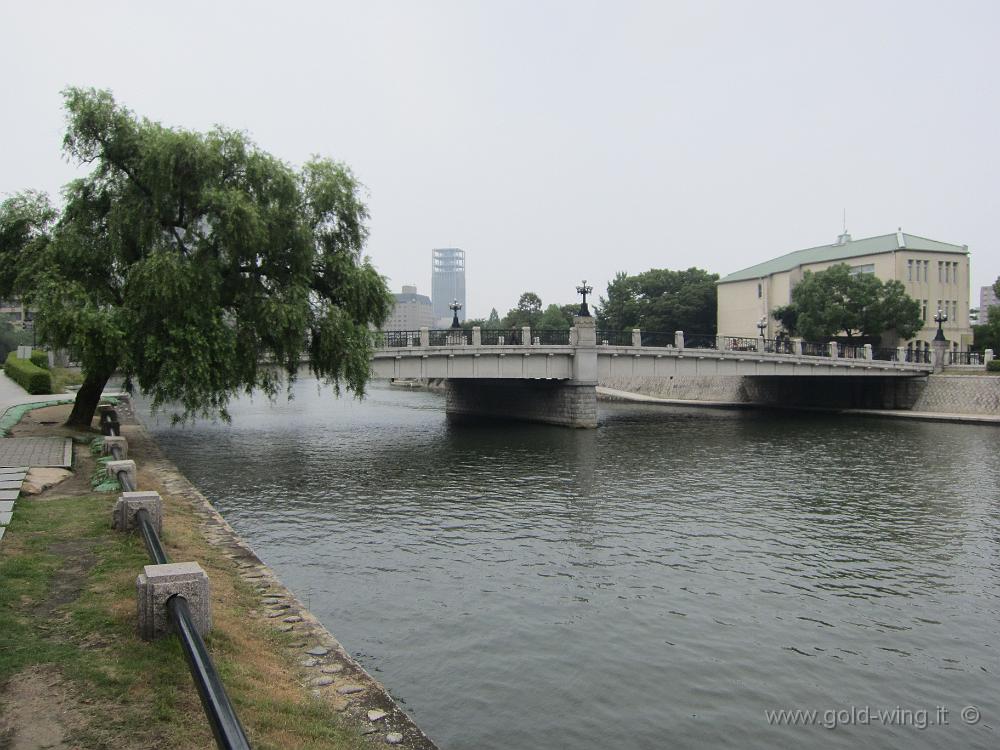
(987, 335)
(494, 320)
(185, 260)
(527, 312)
(661, 300)
(837, 302)
(555, 317)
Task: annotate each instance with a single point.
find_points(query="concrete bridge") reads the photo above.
(551, 376)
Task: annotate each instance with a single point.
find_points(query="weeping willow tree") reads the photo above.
(192, 263)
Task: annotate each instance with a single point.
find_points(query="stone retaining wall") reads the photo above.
(960, 394)
(547, 401)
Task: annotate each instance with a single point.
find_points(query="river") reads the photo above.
(663, 581)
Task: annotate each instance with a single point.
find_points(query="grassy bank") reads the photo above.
(73, 672)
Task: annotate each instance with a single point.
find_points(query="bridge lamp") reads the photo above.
(584, 289)
(762, 325)
(455, 307)
(940, 317)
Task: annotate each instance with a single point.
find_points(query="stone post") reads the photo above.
(988, 356)
(24, 352)
(157, 583)
(526, 335)
(425, 336)
(797, 347)
(113, 467)
(761, 344)
(721, 343)
(573, 336)
(833, 349)
(940, 349)
(130, 503)
(477, 336)
(585, 356)
(636, 337)
(110, 441)
(868, 352)
(679, 339)
(900, 353)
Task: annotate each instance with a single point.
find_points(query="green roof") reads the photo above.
(885, 243)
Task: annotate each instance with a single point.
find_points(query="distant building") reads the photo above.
(447, 283)
(987, 299)
(936, 274)
(411, 312)
(17, 313)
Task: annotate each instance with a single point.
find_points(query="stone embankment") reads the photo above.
(941, 394)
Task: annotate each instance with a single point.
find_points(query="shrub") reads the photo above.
(40, 359)
(993, 365)
(31, 377)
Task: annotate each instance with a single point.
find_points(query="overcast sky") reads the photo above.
(556, 141)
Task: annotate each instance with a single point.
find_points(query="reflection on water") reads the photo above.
(661, 581)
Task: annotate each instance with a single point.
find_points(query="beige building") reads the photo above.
(936, 274)
(16, 313)
(411, 312)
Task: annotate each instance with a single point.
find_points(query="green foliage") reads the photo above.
(835, 301)
(555, 317)
(987, 336)
(40, 358)
(28, 375)
(661, 300)
(993, 365)
(494, 320)
(185, 260)
(527, 313)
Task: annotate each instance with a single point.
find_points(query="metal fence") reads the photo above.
(614, 338)
(502, 337)
(226, 727)
(450, 337)
(551, 336)
(397, 339)
(965, 358)
(700, 341)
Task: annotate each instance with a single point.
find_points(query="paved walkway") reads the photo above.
(930, 416)
(11, 394)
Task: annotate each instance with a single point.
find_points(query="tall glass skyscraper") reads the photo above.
(447, 283)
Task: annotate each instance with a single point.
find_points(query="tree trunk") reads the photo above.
(87, 399)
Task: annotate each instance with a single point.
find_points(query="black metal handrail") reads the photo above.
(657, 338)
(965, 358)
(923, 356)
(815, 349)
(396, 339)
(885, 355)
(701, 341)
(502, 336)
(778, 346)
(850, 351)
(738, 344)
(450, 337)
(614, 338)
(226, 727)
(551, 336)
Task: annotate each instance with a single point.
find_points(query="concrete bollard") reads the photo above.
(636, 337)
(110, 441)
(157, 583)
(113, 467)
(679, 339)
(130, 503)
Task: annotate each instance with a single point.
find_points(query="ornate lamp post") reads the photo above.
(762, 326)
(940, 317)
(584, 290)
(455, 307)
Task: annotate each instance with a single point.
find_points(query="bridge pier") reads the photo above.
(559, 402)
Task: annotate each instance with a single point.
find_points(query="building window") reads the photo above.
(760, 291)
(923, 310)
(927, 270)
(857, 270)
(941, 272)
(954, 311)
(909, 270)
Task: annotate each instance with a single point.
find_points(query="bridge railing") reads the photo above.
(965, 358)
(502, 337)
(885, 355)
(551, 336)
(700, 341)
(614, 338)
(396, 339)
(450, 337)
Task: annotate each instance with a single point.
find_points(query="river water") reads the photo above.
(662, 581)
